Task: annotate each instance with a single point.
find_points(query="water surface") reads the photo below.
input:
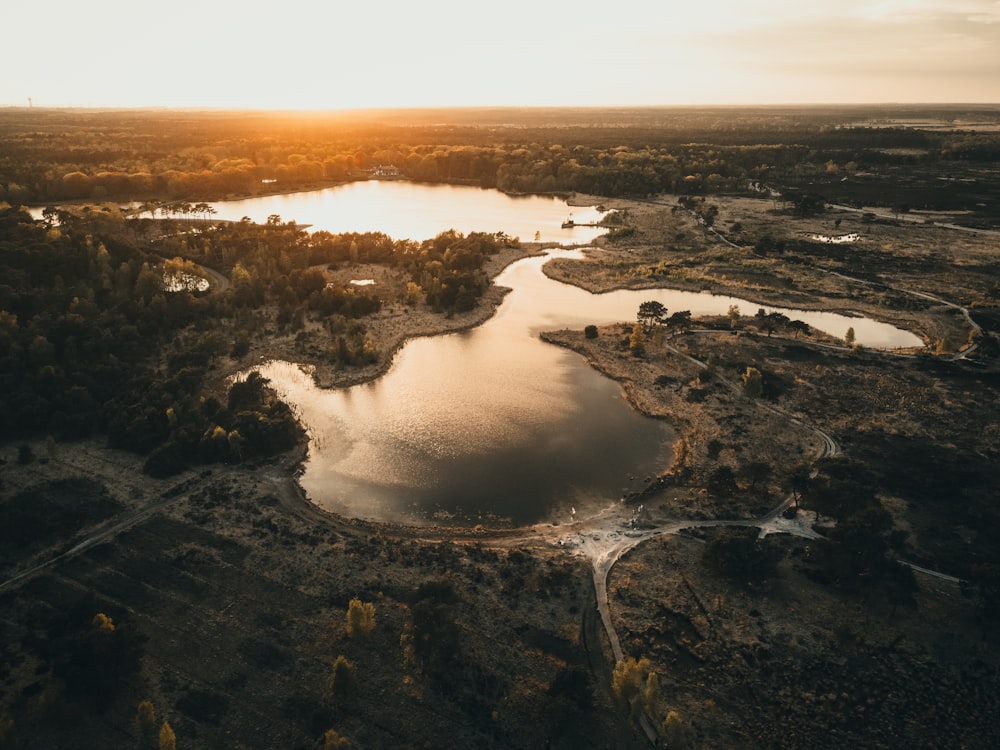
(419, 211)
(493, 423)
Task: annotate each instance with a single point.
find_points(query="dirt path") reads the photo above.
(107, 531)
(914, 219)
(932, 573)
(830, 446)
(604, 541)
(605, 537)
(218, 282)
(976, 328)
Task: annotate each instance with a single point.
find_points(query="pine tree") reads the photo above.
(343, 682)
(637, 341)
(630, 678)
(651, 699)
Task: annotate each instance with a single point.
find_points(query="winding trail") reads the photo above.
(914, 219)
(976, 328)
(604, 547)
(608, 535)
(217, 281)
(109, 530)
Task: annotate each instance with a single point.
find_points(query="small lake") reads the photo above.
(493, 423)
(419, 211)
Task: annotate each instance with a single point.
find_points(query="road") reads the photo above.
(217, 282)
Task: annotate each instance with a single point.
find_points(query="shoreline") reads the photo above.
(624, 264)
(391, 329)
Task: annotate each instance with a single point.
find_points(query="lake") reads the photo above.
(478, 426)
(419, 211)
(494, 424)
(490, 425)
(413, 210)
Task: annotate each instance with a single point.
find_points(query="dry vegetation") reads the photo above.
(800, 659)
(239, 588)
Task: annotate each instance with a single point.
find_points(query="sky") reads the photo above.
(330, 54)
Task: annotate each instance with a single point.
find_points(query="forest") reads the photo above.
(101, 345)
(58, 155)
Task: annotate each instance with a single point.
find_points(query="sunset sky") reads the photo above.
(333, 55)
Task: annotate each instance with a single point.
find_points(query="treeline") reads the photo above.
(522, 167)
(52, 156)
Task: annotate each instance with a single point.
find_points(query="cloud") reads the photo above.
(922, 11)
(890, 43)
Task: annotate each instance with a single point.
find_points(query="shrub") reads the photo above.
(753, 383)
(360, 618)
(168, 741)
(676, 732)
(333, 741)
(741, 557)
(343, 682)
(145, 719)
(721, 481)
(24, 454)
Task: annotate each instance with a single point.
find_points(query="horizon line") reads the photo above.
(444, 107)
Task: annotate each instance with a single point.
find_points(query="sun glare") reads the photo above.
(436, 54)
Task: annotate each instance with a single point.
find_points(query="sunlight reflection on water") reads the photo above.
(494, 422)
(419, 211)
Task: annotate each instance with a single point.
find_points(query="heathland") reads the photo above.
(817, 567)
